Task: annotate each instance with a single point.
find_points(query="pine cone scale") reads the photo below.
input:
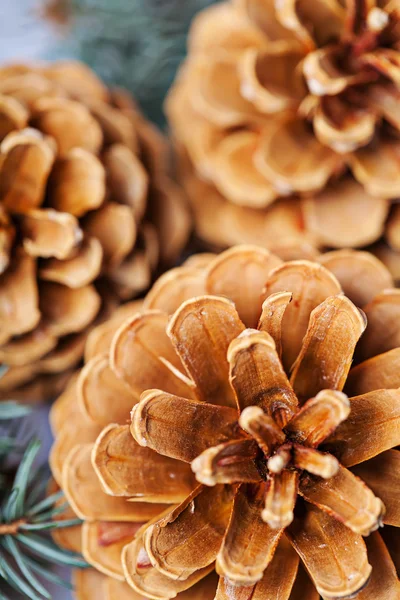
(84, 490)
(382, 412)
(369, 375)
(244, 556)
(284, 560)
(77, 271)
(247, 354)
(116, 456)
(338, 325)
(151, 581)
(363, 516)
(227, 463)
(341, 569)
(188, 538)
(19, 298)
(50, 234)
(156, 367)
(380, 474)
(156, 413)
(102, 544)
(318, 418)
(203, 327)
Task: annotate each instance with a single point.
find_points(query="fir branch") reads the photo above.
(26, 550)
(137, 44)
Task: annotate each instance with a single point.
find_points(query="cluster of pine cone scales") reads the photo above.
(234, 434)
(285, 115)
(260, 459)
(87, 213)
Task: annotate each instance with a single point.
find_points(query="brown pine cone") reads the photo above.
(87, 214)
(285, 118)
(266, 411)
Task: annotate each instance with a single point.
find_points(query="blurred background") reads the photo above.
(137, 44)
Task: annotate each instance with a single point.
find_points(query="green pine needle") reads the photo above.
(51, 513)
(45, 504)
(9, 442)
(18, 582)
(13, 410)
(26, 550)
(8, 506)
(8, 412)
(47, 549)
(12, 547)
(21, 480)
(38, 491)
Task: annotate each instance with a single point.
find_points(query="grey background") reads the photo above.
(23, 35)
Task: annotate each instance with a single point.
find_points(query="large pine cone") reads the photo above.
(87, 214)
(285, 116)
(266, 411)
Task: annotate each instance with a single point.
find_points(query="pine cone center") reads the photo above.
(281, 449)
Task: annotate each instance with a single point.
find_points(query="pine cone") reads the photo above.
(87, 213)
(285, 118)
(252, 421)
